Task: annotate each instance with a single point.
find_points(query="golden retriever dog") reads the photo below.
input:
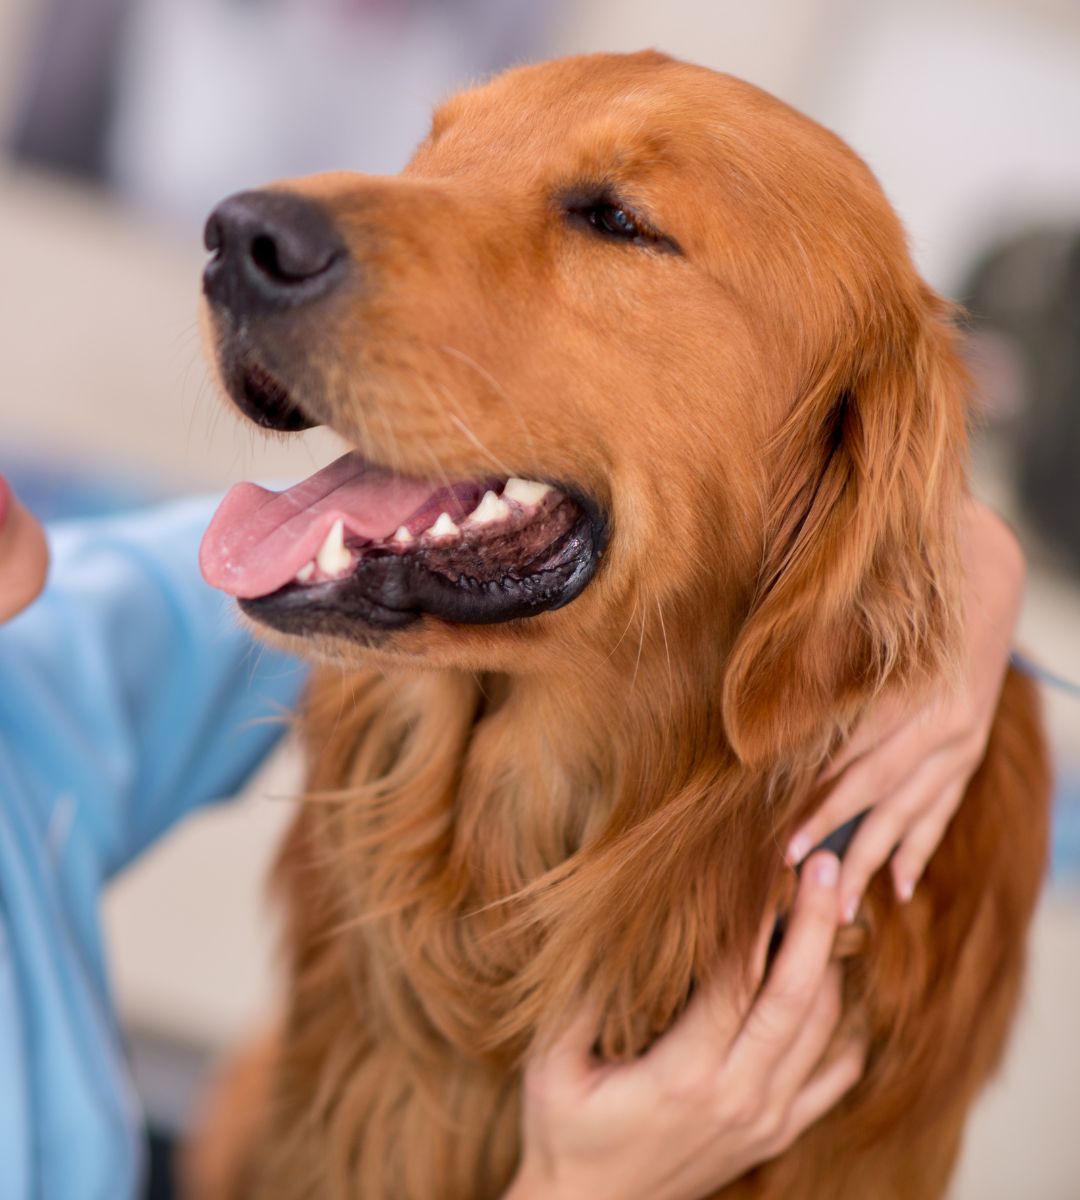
(658, 453)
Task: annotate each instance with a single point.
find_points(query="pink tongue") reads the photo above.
(258, 539)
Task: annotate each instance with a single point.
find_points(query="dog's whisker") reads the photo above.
(667, 648)
(440, 471)
(641, 644)
(622, 636)
(497, 388)
(494, 458)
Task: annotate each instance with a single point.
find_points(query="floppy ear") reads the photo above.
(859, 581)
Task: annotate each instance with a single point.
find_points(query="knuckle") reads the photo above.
(907, 807)
(742, 1107)
(832, 1004)
(770, 1022)
(770, 1123)
(784, 1139)
(688, 1086)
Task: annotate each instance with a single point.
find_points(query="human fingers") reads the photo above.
(885, 827)
(792, 984)
(869, 779)
(827, 1087)
(567, 1061)
(888, 714)
(24, 555)
(702, 1036)
(923, 838)
(798, 1065)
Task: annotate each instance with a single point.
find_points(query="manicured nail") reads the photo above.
(797, 848)
(827, 870)
(851, 908)
(905, 889)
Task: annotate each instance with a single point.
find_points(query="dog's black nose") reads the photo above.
(271, 250)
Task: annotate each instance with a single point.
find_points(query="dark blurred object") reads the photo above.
(160, 1168)
(1027, 290)
(65, 115)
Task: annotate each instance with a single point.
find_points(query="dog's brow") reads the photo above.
(609, 153)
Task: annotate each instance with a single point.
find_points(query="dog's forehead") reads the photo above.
(612, 116)
(602, 110)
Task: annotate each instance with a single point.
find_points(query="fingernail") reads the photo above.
(851, 908)
(905, 889)
(827, 870)
(797, 848)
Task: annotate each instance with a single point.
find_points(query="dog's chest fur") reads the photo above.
(468, 888)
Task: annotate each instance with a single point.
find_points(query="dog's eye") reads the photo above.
(606, 215)
(616, 222)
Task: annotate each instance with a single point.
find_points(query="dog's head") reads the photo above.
(634, 362)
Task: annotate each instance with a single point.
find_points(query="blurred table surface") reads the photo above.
(102, 368)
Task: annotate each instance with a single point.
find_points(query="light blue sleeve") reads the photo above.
(129, 695)
(130, 690)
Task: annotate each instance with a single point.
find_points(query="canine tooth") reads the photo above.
(403, 534)
(444, 527)
(525, 491)
(333, 558)
(306, 572)
(491, 508)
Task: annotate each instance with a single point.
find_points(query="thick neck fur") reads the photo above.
(507, 846)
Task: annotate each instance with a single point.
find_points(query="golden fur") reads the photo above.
(506, 821)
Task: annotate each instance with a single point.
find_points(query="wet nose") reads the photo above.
(271, 251)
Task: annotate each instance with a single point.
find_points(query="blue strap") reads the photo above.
(1022, 663)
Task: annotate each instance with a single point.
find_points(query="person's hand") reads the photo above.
(910, 765)
(24, 558)
(731, 1085)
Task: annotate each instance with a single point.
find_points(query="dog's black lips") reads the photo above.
(264, 399)
(389, 591)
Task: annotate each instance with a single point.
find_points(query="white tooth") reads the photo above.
(491, 508)
(525, 491)
(403, 534)
(333, 558)
(306, 572)
(444, 527)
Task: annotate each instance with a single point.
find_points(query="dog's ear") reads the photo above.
(860, 570)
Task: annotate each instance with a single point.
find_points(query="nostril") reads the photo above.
(264, 254)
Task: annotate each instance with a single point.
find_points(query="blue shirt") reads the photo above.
(129, 695)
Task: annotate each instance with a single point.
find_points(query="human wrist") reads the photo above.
(533, 1184)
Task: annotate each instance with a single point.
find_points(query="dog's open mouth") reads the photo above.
(359, 543)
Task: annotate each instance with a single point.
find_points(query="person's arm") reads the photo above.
(907, 766)
(730, 1086)
(131, 692)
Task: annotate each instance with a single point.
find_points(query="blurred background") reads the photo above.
(123, 121)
